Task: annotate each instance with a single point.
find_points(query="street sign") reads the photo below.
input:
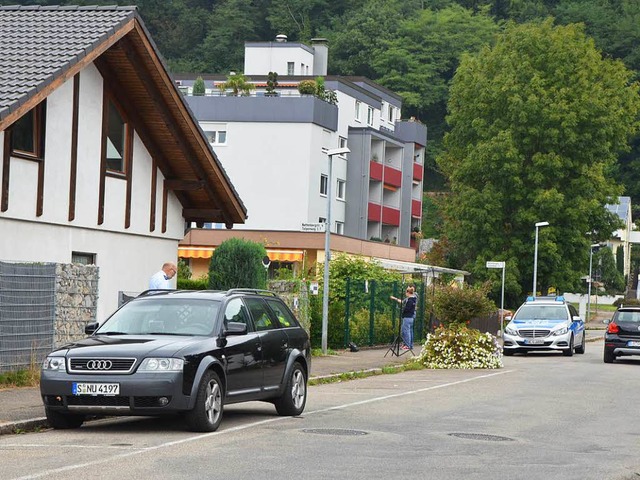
(313, 227)
(495, 264)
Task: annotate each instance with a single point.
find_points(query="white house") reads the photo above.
(274, 146)
(102, 160)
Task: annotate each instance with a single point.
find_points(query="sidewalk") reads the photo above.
(22, 409)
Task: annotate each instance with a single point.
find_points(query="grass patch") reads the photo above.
(20, 378)
(389, 369)
(317, 352)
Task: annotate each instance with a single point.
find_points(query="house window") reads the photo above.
(216, 137)
(340, 228)
(116, 139)
(342, 142)
(290, 67)
(340, 189)
(370, 116)
(27, 134)
(83, 258)
(322, 220)
(357, 112)
(391, 113)
(324, 185)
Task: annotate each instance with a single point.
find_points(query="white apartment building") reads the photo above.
(273, 146)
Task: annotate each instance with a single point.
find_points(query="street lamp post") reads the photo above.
(327, 250)
(535, 257)
(595, 245)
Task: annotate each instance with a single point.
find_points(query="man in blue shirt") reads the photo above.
(162, 279)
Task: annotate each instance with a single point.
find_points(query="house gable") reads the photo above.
(115, 40)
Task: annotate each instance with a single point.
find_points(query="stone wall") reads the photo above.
(296, 295)
(76, 301)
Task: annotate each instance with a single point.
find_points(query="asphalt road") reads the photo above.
(543, 416)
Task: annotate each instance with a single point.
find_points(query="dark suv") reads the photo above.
(623, 334)
(181, 352)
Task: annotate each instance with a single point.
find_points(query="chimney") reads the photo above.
(320, 56)
(281, 38)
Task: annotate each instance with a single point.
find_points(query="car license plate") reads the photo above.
(535, 341)
(633, 344)
(96, 388)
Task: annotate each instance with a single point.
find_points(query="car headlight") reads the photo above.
(561, 331)
(161, 365)
(511, 331)
(54, 363)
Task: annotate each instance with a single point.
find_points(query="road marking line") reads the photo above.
(250, 425)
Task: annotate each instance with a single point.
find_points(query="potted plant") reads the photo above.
(272, 84)
(307, 87)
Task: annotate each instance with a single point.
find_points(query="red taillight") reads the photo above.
(613, 328)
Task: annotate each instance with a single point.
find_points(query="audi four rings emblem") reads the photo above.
(99, 364)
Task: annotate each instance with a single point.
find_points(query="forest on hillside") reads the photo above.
(412, 47)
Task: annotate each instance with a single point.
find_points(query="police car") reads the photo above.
(545, 323)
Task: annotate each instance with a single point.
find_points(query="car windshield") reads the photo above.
(627, 317)
(163, 316)
(541, 312)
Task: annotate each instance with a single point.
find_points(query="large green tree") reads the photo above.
(537, 122)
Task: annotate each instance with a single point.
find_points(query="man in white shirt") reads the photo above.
(162, 279)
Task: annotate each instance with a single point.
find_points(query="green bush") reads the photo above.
(626, 302)
(307, 87)
(193, 284)
(455, 305)
(460, 347)
(198, 87)
(360, 325)
(237, 263)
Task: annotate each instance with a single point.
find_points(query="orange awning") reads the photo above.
(285, 255)
(274, 255)
(195, 252)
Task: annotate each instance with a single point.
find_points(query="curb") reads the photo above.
(26, 425)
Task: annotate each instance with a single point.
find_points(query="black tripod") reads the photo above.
(396, 346)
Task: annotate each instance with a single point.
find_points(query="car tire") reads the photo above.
(294, 397)
(581, 348)
(207, 413)
(63, 421)
(608, 356)
(568, 352)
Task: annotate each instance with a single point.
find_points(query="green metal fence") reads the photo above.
(370, 317)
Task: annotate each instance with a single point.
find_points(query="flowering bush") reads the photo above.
(461, 347)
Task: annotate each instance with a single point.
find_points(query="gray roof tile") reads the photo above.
(39, 43)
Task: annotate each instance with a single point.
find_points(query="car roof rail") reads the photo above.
(155, 291)
(255, 291)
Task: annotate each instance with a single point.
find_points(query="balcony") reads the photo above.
(392, 176)
(418, 171)
(374, 212)
(391, 216)
(375, 171)
(416, 208)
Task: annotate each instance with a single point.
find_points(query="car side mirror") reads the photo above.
(91, 327)
(576, 318)
(236, 328)
(607, 321)
(508, 318)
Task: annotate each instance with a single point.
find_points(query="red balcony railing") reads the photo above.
(374, 212)
(416, 208)
(417, 171)
(375, 171)
(391, 216)
(392, 176)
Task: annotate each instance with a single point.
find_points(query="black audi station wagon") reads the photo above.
(181, 352)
